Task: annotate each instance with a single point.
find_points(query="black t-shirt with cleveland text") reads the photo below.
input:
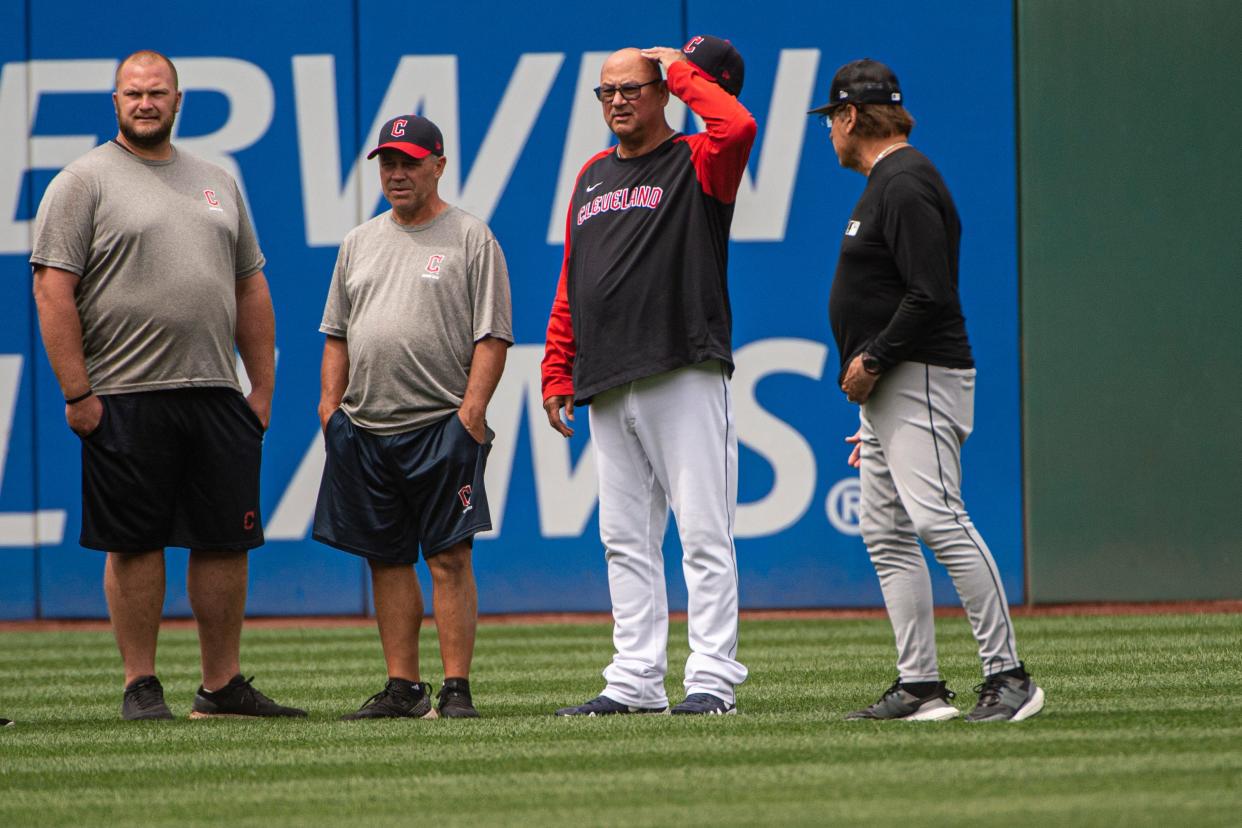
(644, 285)
(895, 292)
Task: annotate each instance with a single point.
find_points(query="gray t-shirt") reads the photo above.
(159, 247)
(411, 302)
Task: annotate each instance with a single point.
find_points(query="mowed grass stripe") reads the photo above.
(1127, 738)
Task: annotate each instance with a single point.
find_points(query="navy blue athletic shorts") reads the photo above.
(384, 496)
(172, 468)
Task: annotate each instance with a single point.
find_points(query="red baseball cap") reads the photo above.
(412, 134)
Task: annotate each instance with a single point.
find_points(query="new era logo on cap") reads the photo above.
(413, 135)
(863, 81)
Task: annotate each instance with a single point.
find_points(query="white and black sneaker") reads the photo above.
(604, 706)
(1010, 696)
(7, 722)
(899, 703)
(704, 704)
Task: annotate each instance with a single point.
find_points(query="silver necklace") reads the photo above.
(890, 148)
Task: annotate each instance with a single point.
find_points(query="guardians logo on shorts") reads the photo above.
(465, 494)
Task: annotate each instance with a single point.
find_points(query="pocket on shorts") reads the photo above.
(99, 426)
(488, 434)
(254, 418)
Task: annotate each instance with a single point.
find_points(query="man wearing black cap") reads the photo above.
(641, 331)
(905, 359)
(417, 325)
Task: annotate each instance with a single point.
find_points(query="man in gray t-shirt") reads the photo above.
(147, 274)
(418, 321)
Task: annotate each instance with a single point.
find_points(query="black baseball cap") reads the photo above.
(719, 60)
(861, 81)
(412, 134)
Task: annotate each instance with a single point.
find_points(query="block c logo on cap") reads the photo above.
(398, 127)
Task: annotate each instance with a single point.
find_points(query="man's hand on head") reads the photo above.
(664, 55)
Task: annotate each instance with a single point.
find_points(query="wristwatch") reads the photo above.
(870, 364)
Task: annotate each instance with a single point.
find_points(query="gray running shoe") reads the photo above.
(144, 699)
(239, 699)
(398, 700)
(898, 703)
(604, 706)
(1005, 697)
(704, 704)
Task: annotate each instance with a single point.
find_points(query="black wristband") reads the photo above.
(80, 397)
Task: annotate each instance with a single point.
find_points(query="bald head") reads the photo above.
(630, 61)
(144, 58)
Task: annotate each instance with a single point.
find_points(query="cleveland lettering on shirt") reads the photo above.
(643, 286)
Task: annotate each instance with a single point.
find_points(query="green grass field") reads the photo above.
(1143, 726)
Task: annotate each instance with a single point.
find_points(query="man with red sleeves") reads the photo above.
(641, 332)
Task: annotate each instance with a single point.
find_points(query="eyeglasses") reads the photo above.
(629, 91)
(826, 118)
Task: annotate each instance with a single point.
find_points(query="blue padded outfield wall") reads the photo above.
(289, 98)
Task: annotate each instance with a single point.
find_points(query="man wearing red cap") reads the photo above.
(417, 325)
(905, 360)
(640, 331)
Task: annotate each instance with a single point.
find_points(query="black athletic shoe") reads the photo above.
(144, 699)
(899, 703)
(604, 706)
(455, 701)
(398, 700)
(239, 698)
(704, 704)
(1010, 696)
(7, 722)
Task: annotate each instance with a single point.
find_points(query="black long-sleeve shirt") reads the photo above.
(895, 293)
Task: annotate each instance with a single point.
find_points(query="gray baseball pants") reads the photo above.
(913, 428)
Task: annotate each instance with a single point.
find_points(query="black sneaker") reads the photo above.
(604, 706)
(455, 701)
(144, 699)
(899, 703)
(399, 699)
(238, 698)
(1010, 696)
(704, 704)
(7, 722)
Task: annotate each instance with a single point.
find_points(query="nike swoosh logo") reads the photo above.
(593, 186)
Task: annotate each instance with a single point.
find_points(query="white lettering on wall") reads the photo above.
(45, 152)
(426, 84)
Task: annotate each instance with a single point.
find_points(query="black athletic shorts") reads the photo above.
(172, 468)
(383, 496)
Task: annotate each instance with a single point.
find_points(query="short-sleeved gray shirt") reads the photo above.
(411, 302)
(159, 247)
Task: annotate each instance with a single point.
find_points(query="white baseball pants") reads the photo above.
(662, 441)
(913, 428)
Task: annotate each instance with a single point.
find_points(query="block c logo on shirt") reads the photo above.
(432, 271)
(213, 203)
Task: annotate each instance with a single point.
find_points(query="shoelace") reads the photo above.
(990, 691)
(148, 695)
(896, 688)
(389, 691)
(450, 694)
(251, 694)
